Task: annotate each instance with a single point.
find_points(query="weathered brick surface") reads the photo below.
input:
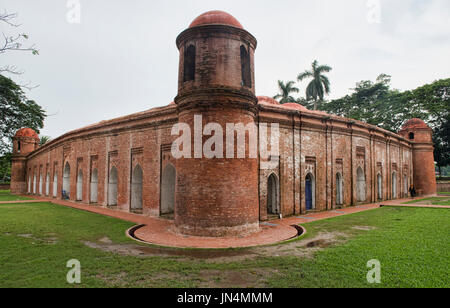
(219, 196)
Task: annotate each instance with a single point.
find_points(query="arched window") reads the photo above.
(112, 187)
(273, 199)
(40, 182)
(394, 185)
(411, 136)
(168, 190)
(310, 192)
(29, 184)
(66, 182)
(47, 184)
(80, 185)
(189, 64)
(94, 186)
(339, 189)
(18, 146)
(34, 183)
(136, 188)
(405, 185)
(245, 68)
(360, 185)
(379, 186)
(55, 184)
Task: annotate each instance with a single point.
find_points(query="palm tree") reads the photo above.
(43, 140)
(319, 85)
(285, 92)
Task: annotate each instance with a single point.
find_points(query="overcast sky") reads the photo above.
(121, 58)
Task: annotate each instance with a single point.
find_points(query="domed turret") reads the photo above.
(216, 84)
(421, 137)
(25, 141)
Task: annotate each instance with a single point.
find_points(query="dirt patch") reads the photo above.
(51, 240)
(105, 240)
(302, 248)
(248, 278)
(363, 228)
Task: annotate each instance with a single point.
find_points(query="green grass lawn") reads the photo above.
(412, 245)
(5, 195)
(444, 193)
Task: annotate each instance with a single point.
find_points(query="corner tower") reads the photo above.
(421, 136)
(216, 196)
(25, 141)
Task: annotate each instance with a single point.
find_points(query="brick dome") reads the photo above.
(267, 100)
(414, 124)
(294, 106)
(26, 133)
(216, 18)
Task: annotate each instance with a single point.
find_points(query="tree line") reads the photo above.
(377, 103)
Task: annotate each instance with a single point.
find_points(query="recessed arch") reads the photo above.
(47, 184)
(361, 194)
(80, 185)
(168, 190)
(273, 195)
(66, 182)
(394, 185)
(29, 183)
(40, 183)
(34, 183)
(405, 185)
(339, 189)
(94, 186)
(112, 187)
(245, 68)
(55, 184)
(136, 188)
(189, 63)
(310, 192)
(380, 186)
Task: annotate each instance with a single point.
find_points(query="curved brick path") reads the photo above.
(161, 232)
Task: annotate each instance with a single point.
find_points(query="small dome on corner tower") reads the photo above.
(216, 18)
(414, 124)
(26, 133)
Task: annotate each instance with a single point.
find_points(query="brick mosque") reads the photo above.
(325, 162)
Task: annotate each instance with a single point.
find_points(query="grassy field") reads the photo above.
(5, 195)
(38, 239)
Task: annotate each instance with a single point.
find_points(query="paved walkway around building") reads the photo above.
(161, 232)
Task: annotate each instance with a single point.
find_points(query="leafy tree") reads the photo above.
(17, 111)
(5, 168)
(319, 85)
(376, 103)
(285, 92)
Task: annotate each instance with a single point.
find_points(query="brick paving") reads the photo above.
(161, 232)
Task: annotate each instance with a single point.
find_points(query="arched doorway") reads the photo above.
(40, 183)
(29, 184)
(339, 189)
(94, 186)
(168, 190)
(394, 185)
(34, 184)
(360, 185)
(66, 182)
(273, 195)
(55, 185)
(80, 185)
(380, 187)
(47, 184)
(310, 187)
(405, 185)
(136, 188)
(112, 187)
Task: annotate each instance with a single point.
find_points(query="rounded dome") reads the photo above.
(267, 100)
(294, 106)
(26, 133)
(216, 18)
(414, 124)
